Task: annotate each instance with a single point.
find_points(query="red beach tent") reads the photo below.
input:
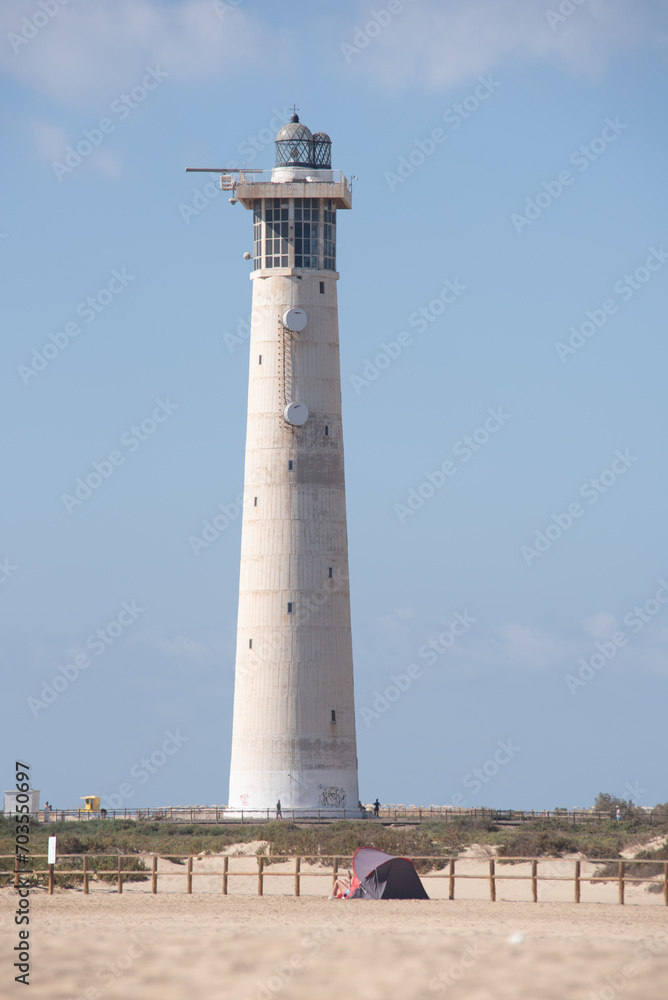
(377, 875)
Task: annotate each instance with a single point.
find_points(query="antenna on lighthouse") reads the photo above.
(227, 181)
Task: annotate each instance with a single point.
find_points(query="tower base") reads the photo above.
(310, 790)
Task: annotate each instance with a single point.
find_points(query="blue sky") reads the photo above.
(516, 150)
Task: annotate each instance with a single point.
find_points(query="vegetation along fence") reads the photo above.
(73, 870)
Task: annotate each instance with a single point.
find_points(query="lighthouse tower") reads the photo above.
(294, 723)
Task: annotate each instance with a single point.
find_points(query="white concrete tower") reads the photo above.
(294, 722)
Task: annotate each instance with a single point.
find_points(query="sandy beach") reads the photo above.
(174, 946)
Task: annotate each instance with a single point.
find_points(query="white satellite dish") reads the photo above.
(294, 320)
(296, 414)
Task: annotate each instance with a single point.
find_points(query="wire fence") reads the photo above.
(386, 813)
(70, 868)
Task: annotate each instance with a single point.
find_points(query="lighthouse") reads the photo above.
(293, 733)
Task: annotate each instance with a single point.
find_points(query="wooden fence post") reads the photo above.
(225, 862)
(297, 867)
(534, 881)
(154, 875)
(492, 882)
(51, 880)
(577, 881)
(120, 874)
(335, 872)
(85, 875)
(620, 894)
(451, 888)
(260, 877)
(189, 876)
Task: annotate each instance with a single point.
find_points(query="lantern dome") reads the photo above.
(322, 150)
(294, 145)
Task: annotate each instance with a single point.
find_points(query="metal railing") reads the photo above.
(264, 176)
(409, 814)
(447, 870)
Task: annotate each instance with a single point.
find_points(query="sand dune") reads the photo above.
(555, 880)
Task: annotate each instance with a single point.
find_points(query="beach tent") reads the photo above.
(377, 875)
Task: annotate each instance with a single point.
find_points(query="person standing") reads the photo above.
(376, 808)
(279, 814)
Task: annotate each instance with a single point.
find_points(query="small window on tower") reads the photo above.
(255, 501)
(291, 465)
(333, 715)
(322, 287)
(326, 430)
(331, 573)
(250, 643)
(259, 360)
(290, 607)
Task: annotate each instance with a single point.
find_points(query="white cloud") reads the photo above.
(600, 624)
(108, 162)
(523, 645)
(92, 50)
(393, 624)
(50, 142)
(440, 45)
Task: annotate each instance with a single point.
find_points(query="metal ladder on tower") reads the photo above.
(284, 365)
